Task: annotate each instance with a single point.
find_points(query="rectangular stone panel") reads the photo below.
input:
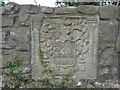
(69, 44)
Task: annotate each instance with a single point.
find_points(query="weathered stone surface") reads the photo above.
(25, 9)
(23, 47)
(108, 31)
(37, 18)
(66, 45)
(69, 41)
(24, 20)
(88, 9)
(8, 58)
(20, 34)
(118, 44)
(47, 10)
(107, 57)
(5, 46)
(103, 71)
(108, 12)
(11, 8)
(63, 11)
(35, 9)
(7, 21)
(6, 52)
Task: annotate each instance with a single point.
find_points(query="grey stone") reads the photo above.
(6, 52)
(88, 9)
(108, 31)
(103, 71)
(4, 34)
(47, 10)
(97, 85)
(7, 21)
(59, 36)
(108, 12)
(8, 58)
(11, 8)
(118, 44)
(20, 34)
(26, 70)
(35, 9)
(25, 9)
(107, 57)
(25, 57)
(63, 11)
(37, 18)
(24, 20)
(5, 46)
(23, 47)
(113, 83)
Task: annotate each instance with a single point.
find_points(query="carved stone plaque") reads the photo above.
(69, 44)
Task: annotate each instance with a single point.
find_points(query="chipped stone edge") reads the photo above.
(0, 48)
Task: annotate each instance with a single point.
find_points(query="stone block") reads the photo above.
(11, 8)
(23, 47)
(47, 10)
(88, 9)
(24, 20)
(108, 12)
(25, 9)
(118, 43)
(7, 21)
(67, 44)
(108, 31)
(106, 57)
(21, 34)
(35, 9)
(63, 11)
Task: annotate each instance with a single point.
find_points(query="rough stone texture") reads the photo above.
(88, 10)
(63, 11)
(35, 9)
(11, 8)
(60, 35)
(108, 12)
(23, 47)
(25, 9)
(118, 44)
(109, 30)
(47, 10)
(7, 21)
(21, 34)
(69, 39)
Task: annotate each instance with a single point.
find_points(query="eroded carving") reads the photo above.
(67, 43)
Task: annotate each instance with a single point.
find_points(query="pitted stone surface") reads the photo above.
(118, 44)
(11, 8)
(67, 43)
(47, 10)
(88, 10)
(63, 11)
(109, 30)
(20, 34)
(68, 37)
(7, 21)
(23, 47)
(108, 12)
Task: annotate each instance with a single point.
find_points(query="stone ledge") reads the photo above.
(47, 10)
(7, 21)
(108, 31)
(63, 11)
(118, 44)
(88, 9)
(108, 12)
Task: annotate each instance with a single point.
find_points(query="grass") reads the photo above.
(49, 80)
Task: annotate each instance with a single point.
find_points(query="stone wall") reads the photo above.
(83, 41)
